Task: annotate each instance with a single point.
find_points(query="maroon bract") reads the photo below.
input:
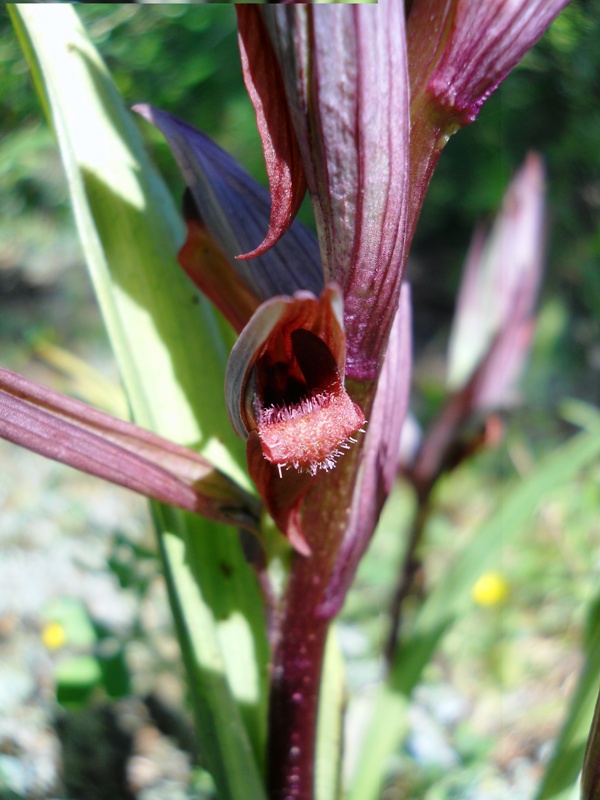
(495, 308)
(264, 83)
(345, 74)
(459, 51)
(66, 430)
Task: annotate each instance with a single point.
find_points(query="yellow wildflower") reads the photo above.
(53, 635)
(490, 589)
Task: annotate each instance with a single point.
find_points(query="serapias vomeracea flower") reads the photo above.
(491, 331)
(330, 90)
(336, 91)
(302, 377)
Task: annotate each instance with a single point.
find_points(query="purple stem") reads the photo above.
(408, 575)
(295, 689)
(303, 625)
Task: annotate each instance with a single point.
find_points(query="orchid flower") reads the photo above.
(494, 311)
(331, 93)
(317, 382)
(492, 329)
(308, 367)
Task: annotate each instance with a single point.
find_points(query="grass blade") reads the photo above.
(330, 722)
(562, 772)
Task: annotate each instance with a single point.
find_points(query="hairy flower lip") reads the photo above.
(322, 317)
(284, 380)
(311, 434)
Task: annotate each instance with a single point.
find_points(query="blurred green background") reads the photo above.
(511, 665)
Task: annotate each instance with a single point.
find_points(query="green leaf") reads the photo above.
(330, 726)
(172, 360)
(450, 598)
(590, 784)
(164, 335)
(562, 773)
(227, 751)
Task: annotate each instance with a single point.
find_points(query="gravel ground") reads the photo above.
(57, 531)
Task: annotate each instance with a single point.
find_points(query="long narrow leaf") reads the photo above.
(172, 364)
(332, 703)
(563, 770)
(226, 751)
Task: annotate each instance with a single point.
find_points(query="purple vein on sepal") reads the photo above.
(236, 211)
(67, 430)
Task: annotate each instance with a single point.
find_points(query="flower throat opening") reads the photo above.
(305, 417)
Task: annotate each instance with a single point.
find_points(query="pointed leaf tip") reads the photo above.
(266, 89)
(235, 210)
(143, 109)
